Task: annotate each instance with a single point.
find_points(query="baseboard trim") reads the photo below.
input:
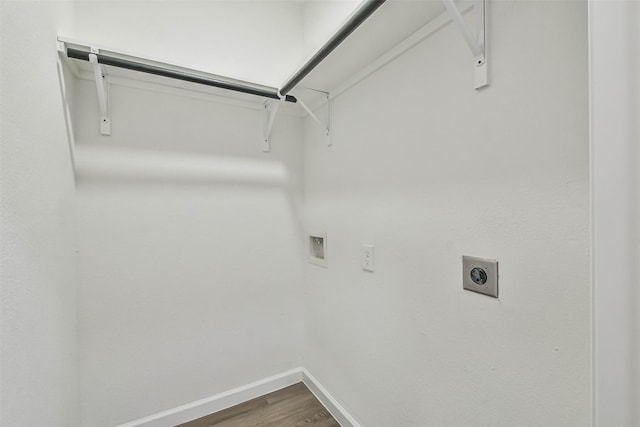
(218, 402)
(339, 413)
(227, 399)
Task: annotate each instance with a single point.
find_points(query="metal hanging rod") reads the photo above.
(354, 22)
(266, 92)
(366, 10)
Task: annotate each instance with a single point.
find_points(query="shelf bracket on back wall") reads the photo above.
(269, 117)
(102, 86)
(476, 40)
(325, 126)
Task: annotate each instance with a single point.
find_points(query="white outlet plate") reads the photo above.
(480, 275)
(368, 257)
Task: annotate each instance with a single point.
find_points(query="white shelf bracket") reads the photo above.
(269, 118)
(325, 126)
(476, 40)
(102, 86)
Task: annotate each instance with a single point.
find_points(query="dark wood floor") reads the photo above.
(292, 406)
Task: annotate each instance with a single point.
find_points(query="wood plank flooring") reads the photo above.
(292, 406)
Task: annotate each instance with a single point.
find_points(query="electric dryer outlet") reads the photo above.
(480, 275)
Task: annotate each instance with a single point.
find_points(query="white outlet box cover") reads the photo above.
(318, 248)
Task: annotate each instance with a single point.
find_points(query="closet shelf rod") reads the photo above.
(354, 22)
(179, 75)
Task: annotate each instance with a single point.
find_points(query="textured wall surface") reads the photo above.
(427, 170)
(190, 251)
(38, 295)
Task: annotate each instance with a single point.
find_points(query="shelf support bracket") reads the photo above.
(102, 86)
(269, 118)
(476, 40)
(325, 126)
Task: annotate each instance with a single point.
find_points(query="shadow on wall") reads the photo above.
(137, 166)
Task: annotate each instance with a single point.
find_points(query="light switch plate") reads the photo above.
(368, 257)
(480, 275)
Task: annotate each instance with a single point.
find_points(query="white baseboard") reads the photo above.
(227, 399)
(218, 402)
(339, 413)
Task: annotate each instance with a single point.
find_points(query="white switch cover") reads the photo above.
(367, 257)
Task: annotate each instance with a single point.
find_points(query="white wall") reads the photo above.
(615, 107)
(427, 169)
(190, 251)
(38, 293)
